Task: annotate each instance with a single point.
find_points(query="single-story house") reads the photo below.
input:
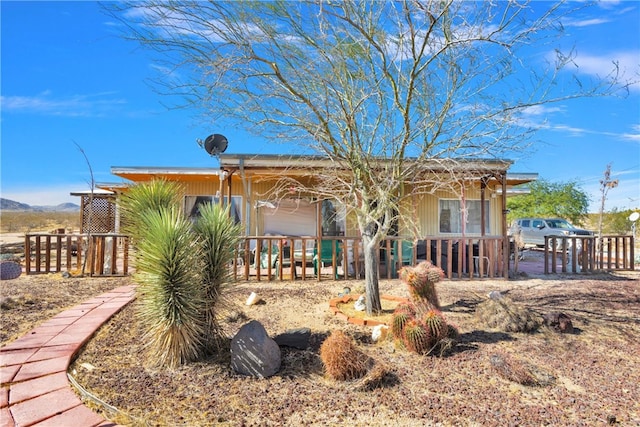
(246, 182)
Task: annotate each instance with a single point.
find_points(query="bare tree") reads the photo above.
(606, 184)
(89, 222)
(400, 97)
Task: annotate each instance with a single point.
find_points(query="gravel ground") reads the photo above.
(593, 374)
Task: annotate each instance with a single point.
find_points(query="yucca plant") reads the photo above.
(143, 197)
(171, 299)
(219, 237)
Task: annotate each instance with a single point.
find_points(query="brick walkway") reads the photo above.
(33, 369)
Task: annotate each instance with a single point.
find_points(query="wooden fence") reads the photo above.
(100, 254)
(586, 254)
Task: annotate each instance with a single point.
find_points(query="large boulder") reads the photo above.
(254, 353)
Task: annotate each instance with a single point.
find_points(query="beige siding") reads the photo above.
(422, 212)
(419, 214)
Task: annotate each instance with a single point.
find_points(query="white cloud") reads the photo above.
(542, 110)
(89, 105)
(584, 22)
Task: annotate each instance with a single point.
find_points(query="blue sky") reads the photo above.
(68, 78)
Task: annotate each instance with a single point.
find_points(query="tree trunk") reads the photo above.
(371, 275)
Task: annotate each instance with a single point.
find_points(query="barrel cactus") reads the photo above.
(421, 281)
(436, 324)
(10, 270)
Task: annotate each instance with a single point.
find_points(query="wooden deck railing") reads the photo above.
(259, 257)
(104, 254)
(578, 254)
(295, 257)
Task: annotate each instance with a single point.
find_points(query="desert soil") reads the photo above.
(593, 373)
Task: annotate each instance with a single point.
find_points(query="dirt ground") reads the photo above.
(593, 373)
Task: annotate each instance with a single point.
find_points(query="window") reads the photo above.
(451, 216)
(192, 206)
(333, 218)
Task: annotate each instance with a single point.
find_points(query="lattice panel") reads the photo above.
(98, 215)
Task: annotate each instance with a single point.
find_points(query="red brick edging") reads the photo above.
(33, 369)
(333, 306)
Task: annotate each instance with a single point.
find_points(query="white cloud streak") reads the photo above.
(90, 105)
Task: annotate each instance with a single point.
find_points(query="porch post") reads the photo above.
(221, 177)
(483, 186)
(229, 190)
(319, 238)
(505, 235)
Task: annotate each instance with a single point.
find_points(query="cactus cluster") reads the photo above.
(421, 281)
(419, 325)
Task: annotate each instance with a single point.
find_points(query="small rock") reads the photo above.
(345, 291)
(559, 321)
(296, 338)
(495, 295)
(379, 333)
(253, 299)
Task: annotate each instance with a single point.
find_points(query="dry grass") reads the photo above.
(27, 221)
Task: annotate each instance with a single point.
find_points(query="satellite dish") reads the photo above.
(634, 216)
(214, 144)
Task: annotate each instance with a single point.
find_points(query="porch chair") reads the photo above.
(407, 255)
(326, 255)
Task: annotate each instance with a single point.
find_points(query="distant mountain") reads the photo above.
(11, 205)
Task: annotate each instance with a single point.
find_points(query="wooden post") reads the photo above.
(58, 253)
(27, 253)
(505, 233)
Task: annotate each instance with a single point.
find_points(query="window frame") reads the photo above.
(236, 203)
(478, 230)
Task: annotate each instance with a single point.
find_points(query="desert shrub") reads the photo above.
(505, 315)
(170, 298)
(518, 371)
(341, 357)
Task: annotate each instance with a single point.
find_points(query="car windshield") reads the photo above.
(559, 223)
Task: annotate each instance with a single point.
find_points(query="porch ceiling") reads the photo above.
(143, 173)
